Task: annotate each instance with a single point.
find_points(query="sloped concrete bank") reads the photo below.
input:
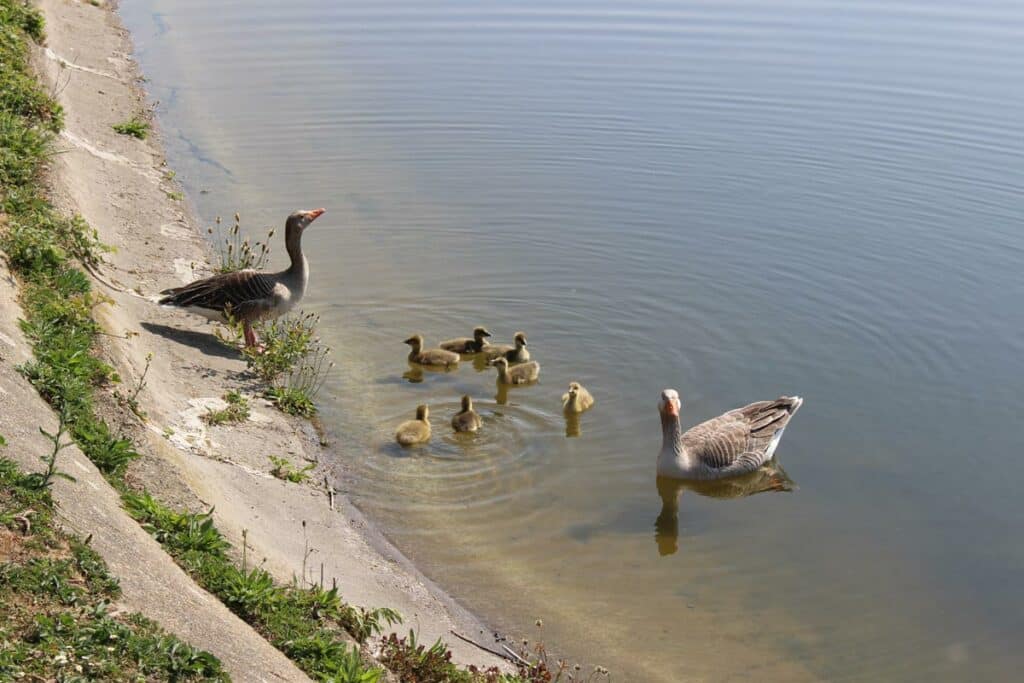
(122, 188)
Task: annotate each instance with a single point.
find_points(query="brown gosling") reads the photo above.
(515, 353)
(475, 344)
(437, 357)
(467, 419)
(577, 399)
(524, 373)
(413, 432)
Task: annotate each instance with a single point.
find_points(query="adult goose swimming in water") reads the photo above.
(249, 295)
(475, 344)
(737, 442)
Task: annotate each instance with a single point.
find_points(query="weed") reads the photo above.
(42, 480)
(237, 410)
(132, 400)
(307, 625)
(175, 195)
(237, 252)
(283, 470)
(291, 401)
(54, 618)
(136, 127)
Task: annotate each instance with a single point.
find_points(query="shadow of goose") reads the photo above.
(200, 341)
(770, 477)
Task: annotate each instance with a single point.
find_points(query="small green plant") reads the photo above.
(291, 401)
(237, 252)
(131, 400)
(175, 195)
(43, 479)
(285, 470)
(237, 410)
(136, 127)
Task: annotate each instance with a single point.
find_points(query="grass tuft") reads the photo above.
(238, 252)
(285, 470)
(237, 410)
(135, 127)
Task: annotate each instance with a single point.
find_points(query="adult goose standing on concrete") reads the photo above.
(249, 295)
(475, 344)
(737, 442)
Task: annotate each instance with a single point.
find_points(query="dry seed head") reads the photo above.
(238, 217)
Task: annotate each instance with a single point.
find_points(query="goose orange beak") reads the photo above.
(315, 213)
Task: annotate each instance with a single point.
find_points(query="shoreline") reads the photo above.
(123, 188)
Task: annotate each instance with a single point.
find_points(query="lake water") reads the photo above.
(737, 199)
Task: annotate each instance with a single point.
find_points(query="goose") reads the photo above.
(413, 432)
(423, 356)
(737, 442)
(475, 344)
(514, 353)
(250, 295)
(467, 419)
(577, 399)
(523, 373)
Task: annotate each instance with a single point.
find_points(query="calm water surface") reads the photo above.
(737, 199)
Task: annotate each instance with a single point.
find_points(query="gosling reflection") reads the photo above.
(770, 477)
(572, 424)
(415, 373)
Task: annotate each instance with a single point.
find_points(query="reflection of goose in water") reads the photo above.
(415, 373)
(572, 424)
(769, 477)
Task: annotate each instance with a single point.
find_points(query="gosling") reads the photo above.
(467, 419)
(577, 399)
(435, 357)
(517, 353)
(475, 344)
(413, 432)
(523, 373)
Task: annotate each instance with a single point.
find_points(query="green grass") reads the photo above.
(135, 127)
(311, 625)
(285, 470)
(237, 410)
(55, 592)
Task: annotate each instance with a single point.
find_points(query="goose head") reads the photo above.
(300, 220)
(669, 404)
(479, 333)
(501, 364)
(519, 339)
(467, 403)
(422, 412)
(415, 341)
(574, 390)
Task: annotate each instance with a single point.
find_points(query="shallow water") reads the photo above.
(736, 199)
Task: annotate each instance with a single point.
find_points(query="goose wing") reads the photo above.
(742, 438)
(247, 293)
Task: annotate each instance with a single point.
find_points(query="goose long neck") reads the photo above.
(670, 434)
(293, 244)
